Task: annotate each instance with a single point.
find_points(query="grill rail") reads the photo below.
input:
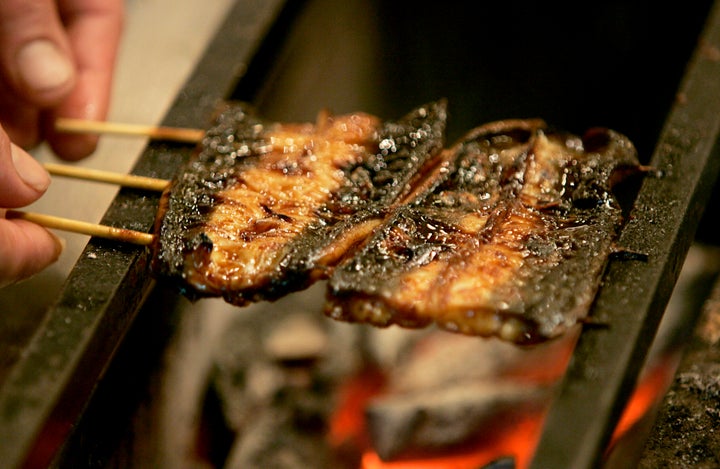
(49, 386)
(662, 226)
(67, 357)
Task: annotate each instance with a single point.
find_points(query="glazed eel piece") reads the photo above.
(510, 240)
(267, 208)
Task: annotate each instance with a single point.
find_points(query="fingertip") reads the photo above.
(59, 246)
(73, 147)
(29, 170)
(46, 72)
(22, 179)
(25, 250)
(88, 102)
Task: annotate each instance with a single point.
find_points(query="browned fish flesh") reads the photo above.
(508, 238)
(267, 208)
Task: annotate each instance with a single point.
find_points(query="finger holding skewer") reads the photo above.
(17, 226)
(25, 248)
(91, 229)
(57, 59)
(20, 228)
(81, 227)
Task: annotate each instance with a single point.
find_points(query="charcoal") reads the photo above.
(443, 419)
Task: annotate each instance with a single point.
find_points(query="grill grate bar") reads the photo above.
(72, 348)
(662, 225)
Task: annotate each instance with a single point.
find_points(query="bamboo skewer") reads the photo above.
(125, 180)
(91, 229)
(178, 134)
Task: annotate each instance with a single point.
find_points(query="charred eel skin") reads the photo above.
(268, 208)
(509, 240)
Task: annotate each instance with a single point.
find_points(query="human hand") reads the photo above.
(25, 248)
(56, 60)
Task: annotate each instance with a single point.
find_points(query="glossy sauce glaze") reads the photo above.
(510, 241)
(268, 208)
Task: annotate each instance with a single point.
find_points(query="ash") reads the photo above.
(687, 429)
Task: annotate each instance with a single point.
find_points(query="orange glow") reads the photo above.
(650, 390)
(518, 443)
(347, 424)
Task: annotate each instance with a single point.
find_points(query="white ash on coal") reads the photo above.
(280, 372)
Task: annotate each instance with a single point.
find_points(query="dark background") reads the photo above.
(615, 63)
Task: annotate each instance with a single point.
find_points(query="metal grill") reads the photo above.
(57, 374)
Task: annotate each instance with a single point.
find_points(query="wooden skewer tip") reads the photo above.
(81, 227)
(178, 134)
(125, 180)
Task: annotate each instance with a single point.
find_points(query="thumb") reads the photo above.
(36, 57)
(25, 249)
(22, 179)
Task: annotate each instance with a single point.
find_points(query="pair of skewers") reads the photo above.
(125, 180)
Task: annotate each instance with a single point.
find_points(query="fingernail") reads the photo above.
(60, 244)
(42, 66)
(29, 170)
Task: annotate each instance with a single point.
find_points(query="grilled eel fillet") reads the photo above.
(267, 208)
(509, 238)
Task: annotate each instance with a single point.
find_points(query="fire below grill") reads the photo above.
(287, 389)
(691, 403)
(283, 387)
(324, 394)
(133, 375)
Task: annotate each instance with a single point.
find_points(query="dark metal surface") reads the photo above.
(50, 384)
(663, 223)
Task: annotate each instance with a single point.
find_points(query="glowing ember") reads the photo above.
(347, 425)
(516, 441)
(518, 444)
(648, 394)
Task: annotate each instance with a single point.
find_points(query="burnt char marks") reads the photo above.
(371, 186)
(504, 234)
(510, 243)
(380, 179)
(195, 191)
(279, 204)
